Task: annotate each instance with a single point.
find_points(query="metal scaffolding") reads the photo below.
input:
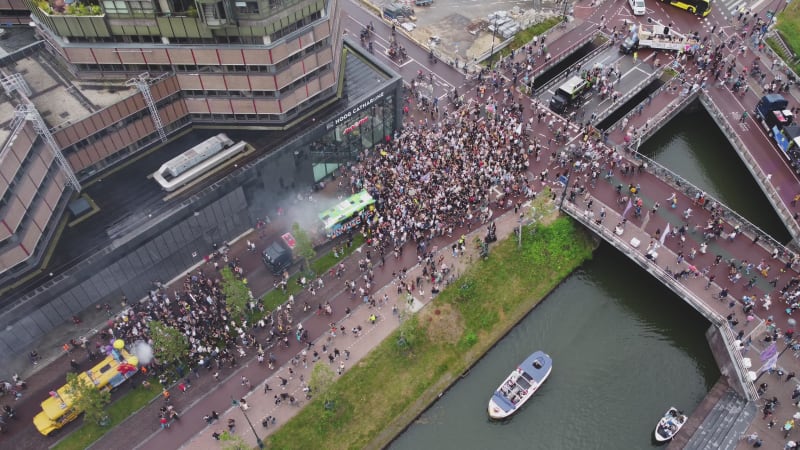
(27, 111)
(15, 82)
(143, 82)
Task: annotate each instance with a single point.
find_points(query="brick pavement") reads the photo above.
(262, 405)
(139, 428)
(204, 397)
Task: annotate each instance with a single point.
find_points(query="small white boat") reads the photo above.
(669, 425)
(520, 385)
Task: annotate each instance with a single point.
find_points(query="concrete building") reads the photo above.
(213, 61)
(263, 64)
(13, 12)
(80, 134)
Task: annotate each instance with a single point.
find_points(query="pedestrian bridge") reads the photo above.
(639, 233)
(702, 301)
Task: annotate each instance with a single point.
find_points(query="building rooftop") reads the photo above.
(59, 100)
(7, 113)
(118, 216)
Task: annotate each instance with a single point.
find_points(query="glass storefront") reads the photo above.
(347, 138)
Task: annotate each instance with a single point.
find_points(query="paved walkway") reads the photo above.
(192, 432)
(144, 425)
(261, 404)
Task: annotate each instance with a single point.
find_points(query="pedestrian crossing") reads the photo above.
(731, 8)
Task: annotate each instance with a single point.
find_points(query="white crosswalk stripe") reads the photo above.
(730, 8)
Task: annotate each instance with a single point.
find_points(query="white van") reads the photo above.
(638, 7)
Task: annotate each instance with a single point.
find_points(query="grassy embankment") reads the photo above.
(788, 26)
(137, 399)
(378, 397)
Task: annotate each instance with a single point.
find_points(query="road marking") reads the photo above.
(769, 139)
(618, 58)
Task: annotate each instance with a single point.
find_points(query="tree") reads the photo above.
(304, 248)
(234, 442)
(237, 294)
(322, 378)
(169, 344)
(87, 398)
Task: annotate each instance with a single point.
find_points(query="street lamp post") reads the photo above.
(494, 31)
(259, 442)
(566, 187)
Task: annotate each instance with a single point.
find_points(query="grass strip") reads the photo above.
(779, 51)
(319, 266)
(121, 409)
(525, 36)
(787, 24)
(372, 402)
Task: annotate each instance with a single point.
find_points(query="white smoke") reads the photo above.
(143, 351)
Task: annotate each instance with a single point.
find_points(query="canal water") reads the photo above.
(624, 349)
(693, 147)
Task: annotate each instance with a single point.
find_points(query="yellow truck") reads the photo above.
(58, 409)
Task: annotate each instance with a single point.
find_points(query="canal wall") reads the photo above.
(447, 380)
(761, 178)
(678, 183)
(725, 361)
(733, 366)
(700, 413)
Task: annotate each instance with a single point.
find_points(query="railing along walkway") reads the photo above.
(698, 302)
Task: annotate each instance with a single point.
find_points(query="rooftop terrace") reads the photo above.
(59, 99)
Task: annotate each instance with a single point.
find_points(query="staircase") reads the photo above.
(727, 421)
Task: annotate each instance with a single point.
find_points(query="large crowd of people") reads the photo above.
(198, 310)
(433, 181)
(439, 179)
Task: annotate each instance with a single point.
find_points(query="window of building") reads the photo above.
(247, 7)
(115, 7)
(292, 27)
(143, 6)
(369, 128)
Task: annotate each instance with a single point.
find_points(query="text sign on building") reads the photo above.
(356, 109)
(355, 126)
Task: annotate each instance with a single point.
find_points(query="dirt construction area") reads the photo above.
(459, 30)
